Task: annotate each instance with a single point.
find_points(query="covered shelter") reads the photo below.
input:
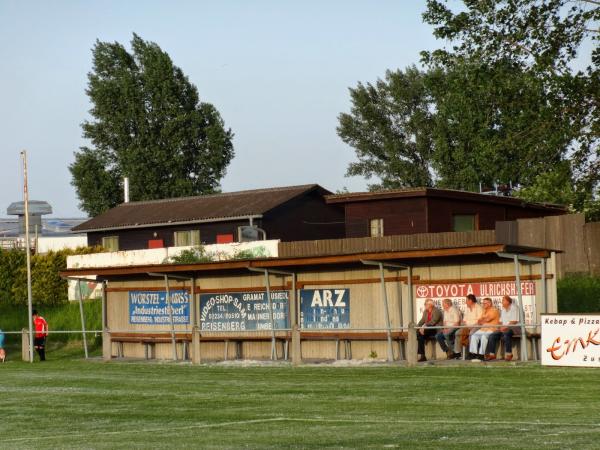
(347, 298)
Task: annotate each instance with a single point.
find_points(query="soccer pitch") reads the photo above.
(78, 404)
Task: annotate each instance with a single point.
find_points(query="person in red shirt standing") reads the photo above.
(41, 331)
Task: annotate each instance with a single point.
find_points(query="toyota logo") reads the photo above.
(422, 291)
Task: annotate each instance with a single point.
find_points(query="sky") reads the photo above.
(278, 72)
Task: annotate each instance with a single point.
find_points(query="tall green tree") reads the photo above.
(148, 124)
(547, 39)
(390, 127)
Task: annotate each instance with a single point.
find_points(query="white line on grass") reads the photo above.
(305, 420)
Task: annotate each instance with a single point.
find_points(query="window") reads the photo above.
(376, 227)
(464, 222)
(186, 238)
(111, 243)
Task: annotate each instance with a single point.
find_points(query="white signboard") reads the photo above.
(493, 289)
(571, 340)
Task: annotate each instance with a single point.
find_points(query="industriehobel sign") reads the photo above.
(571, 340)
(243, 311)
(493, 289)
(151, 307)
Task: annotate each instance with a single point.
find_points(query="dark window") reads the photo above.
(464, 222)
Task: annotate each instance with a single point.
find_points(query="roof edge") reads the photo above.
(78, 230)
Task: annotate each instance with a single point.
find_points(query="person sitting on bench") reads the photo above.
(445, 336)
(479, 339)
(509, 315)
(432, 317)
(473, 313)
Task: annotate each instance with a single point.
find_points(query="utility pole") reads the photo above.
(28, 251)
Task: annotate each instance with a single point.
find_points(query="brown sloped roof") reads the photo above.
(202, 208)
(445, 193)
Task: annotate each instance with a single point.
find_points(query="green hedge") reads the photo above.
(579, 294)
(47, 287)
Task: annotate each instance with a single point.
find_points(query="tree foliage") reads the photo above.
(149, 125)
(546, 39)
(390, 128)
(500, 103)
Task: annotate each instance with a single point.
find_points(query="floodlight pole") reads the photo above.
(28, 251)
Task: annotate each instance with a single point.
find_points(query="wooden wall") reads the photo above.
(577, 241)
(303, 218)
(400, 216)
(424, 241)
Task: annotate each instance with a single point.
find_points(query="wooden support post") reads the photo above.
(411, 345)
(106, 345)
(296, 347)
(196, 345)
(25, 345)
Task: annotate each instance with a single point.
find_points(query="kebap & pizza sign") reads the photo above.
(570, 340)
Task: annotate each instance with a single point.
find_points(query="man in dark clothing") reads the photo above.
(432, 317)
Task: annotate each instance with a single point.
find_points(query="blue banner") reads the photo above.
(150, 307)
(242, 311)
(325, 308)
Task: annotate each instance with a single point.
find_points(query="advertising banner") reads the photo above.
(325, 308)
(243, 311)
(570, 340)
(458, 291)
(150, 307)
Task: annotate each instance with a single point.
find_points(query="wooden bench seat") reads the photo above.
(238, 340)
(149, 340)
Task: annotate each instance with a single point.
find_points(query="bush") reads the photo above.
(191, 256)
(47, 287)
(579, 294)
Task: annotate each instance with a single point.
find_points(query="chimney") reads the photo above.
(126, 189)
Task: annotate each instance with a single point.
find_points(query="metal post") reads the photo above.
(27, 249)
(296, 340)
(544, 287)
(104, 306)
(400, 308)
(293, 306)
(411, 306)
(85, 348)
(173, 340)
(270, 300)
(390, 349)
(192, 304)
(521, 309)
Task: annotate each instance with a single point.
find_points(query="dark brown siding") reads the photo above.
(400, 216)
(138, 238)
(442, 210)
(305, 218)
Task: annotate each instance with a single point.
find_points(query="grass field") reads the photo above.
(70, 403)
